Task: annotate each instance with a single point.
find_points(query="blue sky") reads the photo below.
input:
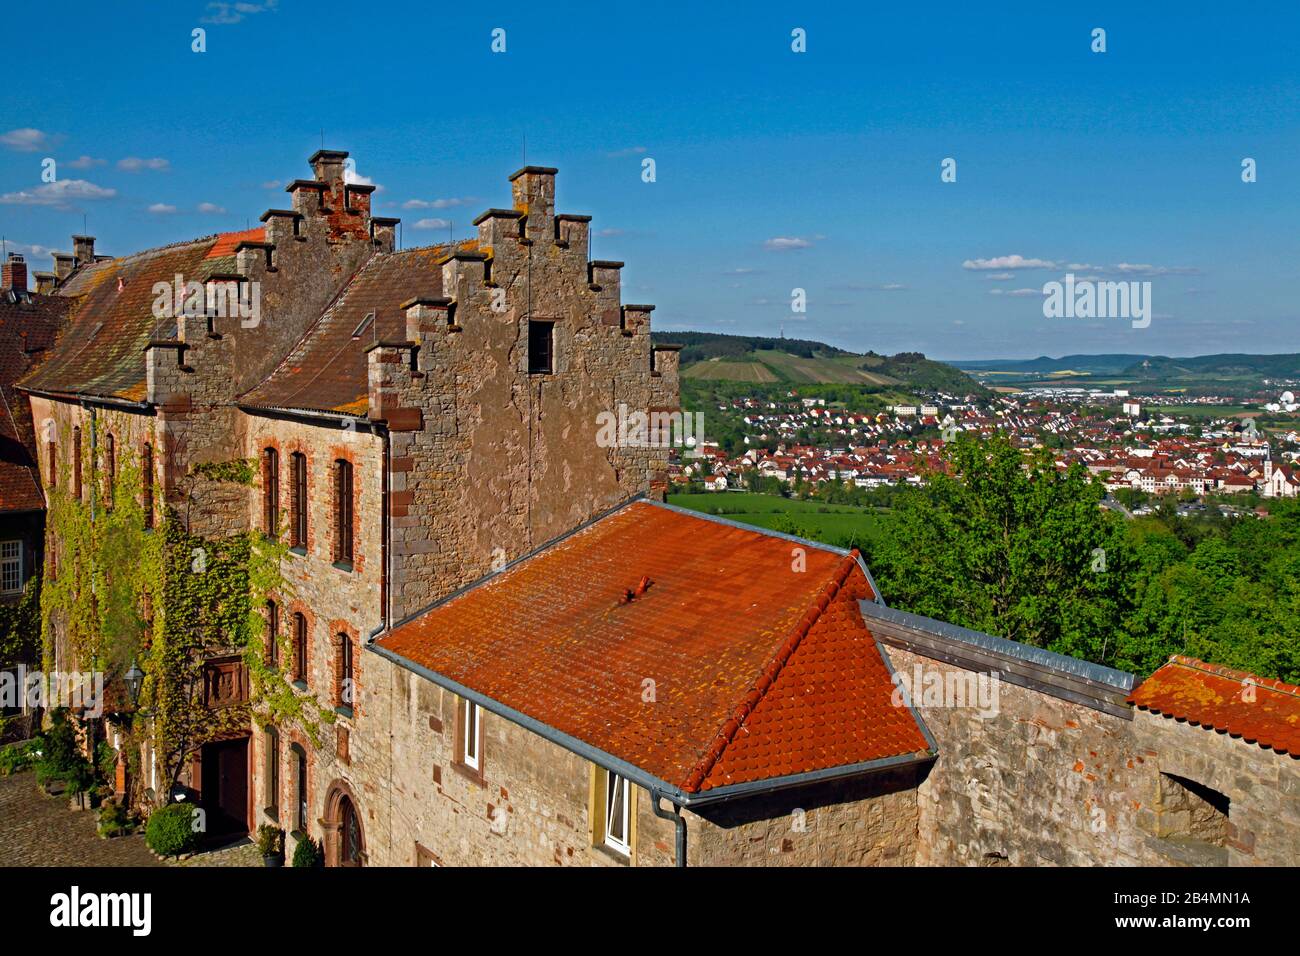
(775, 170)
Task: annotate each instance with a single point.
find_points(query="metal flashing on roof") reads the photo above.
(1069, 678)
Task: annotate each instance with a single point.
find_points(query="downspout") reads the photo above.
(677, 818)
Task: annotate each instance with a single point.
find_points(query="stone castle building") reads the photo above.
(524, 655)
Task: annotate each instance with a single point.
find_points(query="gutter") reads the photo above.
(88, 399)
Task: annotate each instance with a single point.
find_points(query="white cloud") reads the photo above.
(134, 164)
(1015, 292)
(26, 140)
(1002, 263)
(783, 243)
(741, 272)
(85, 162)
(350, 175)
(1145, 269)
(622, 153)
(30, 251)
(226, 13)
(439, 203)
(162, 209)
(271, 184)
(210, 208)
(432, 224)
(59, 194)
(1000, 276)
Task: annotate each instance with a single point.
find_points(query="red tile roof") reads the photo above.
(327, 370)
(102, 351)
(759, 670)
(1256, 709)
(28, 326)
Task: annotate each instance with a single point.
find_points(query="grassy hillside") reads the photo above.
(708, 356)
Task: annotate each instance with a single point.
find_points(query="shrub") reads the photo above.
(114, 820)
(61, 758)
(106, 760)
(18, 757)
(306, 853)
(171, 831)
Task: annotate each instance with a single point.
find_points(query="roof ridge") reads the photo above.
(767, 677)
(1220, 670)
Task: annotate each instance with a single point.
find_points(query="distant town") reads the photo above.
(1139, 445)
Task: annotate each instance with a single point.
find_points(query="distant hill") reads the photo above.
(710, 356)
(1147, 367)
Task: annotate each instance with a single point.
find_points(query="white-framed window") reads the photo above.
(472, 736)
(11, 566)
(617, 800)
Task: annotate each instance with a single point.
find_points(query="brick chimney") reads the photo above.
(327, 164)
(83, 247)
(13, 274)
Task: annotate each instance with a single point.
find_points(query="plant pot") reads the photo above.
(273, 859)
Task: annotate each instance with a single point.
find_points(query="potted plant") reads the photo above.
(270, 843)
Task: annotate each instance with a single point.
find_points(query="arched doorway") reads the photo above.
(345, 842)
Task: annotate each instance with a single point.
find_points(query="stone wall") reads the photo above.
(1046, 781)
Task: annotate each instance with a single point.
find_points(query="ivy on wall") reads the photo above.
(20, 625)
(168, 600)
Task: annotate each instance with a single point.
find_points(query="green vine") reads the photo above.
(20, 624)
(168, 600)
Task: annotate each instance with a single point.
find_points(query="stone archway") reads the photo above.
(344, 833)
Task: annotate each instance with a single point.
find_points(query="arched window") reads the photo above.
(349, 834)
(300, 647)
(146, 483)
(298, 529)
(272, 634)
(342, 512)
(270, 492)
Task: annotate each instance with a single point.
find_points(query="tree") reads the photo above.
(1009, 547)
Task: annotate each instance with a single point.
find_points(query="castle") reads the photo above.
(483, 637)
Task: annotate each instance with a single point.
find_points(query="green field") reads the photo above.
(830, 524)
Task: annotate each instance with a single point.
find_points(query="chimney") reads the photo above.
(44, 282)
(83, 247)
(64, 263)
(13, 274)
(328, 166)
(533, 190)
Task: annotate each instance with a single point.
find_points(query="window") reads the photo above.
(11, 566)
(273, 773)
(342, 512)
(471, 735)
(272, 634)
(541, 348)
(270, 492)
(110, 469)
(616, 813)
(146, 483)
(298, 462)
(52, 452)
(76, 461)
(300, 786)
(300, 648)
(346, 684)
